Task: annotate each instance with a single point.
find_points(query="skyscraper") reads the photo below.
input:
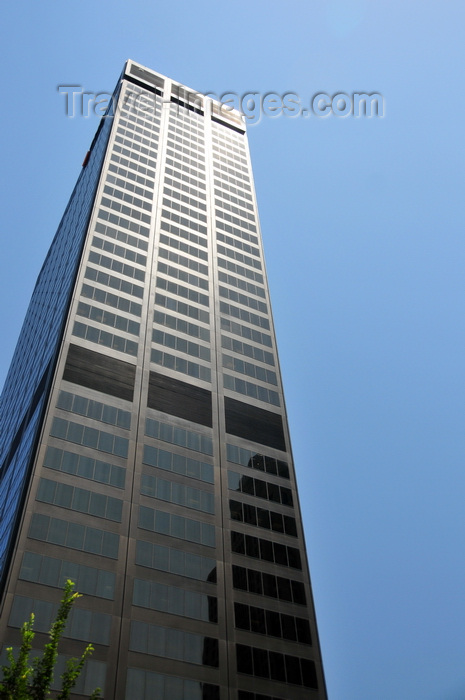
(145, 450)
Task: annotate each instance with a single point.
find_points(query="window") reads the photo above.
(275, 666)
(175, 561)
(271, 623)
(176, 601)
(74, 536)
(173, 644)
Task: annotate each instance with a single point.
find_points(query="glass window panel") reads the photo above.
(70, 462)
(120, 446)
(20, 611)
(260, 489)
(76, 534)
(244, 659)
(178, 526)
(162, 522)
(79, 624)
(57, 531)
(98, 504)
(206, 473)
(65, 400)
(288, 626)
(290, 527)
(195, 442)
(293, 670)
(46, 491)
(105, 442)
(247, 485)
(252, 546)
(166, 433)
(59, 428)
(179, 464)
(90, 437)
(141, 593)
(269, 586)
(86, 467)
(146, 518)
(273, 623)
(88, 579)
(178, 494)
(250, 514)
(143, 553)
(39, 526)
(207, 502)
(273, 493)
(266, 550)
(193, 566)
(277, 522)
(81, 499)
(303, 631)
(117, 476)
(93, 540)
(163, 489)
(209, 652)
(263, 518)
(53, 458)
(110, 545)
(309, 678)
(173, 687)
(138, 636)
(64, 495)
(135, 684)
(102, 472)
(239, 577)
(208, 534)
(174, 644)
(280, 554)
(176, 604)
(114, 509)
(193, 605)
(284, 589)
(286, 496)
(123, 419)
(260, 663)
(238, 542)
(234, 481)
(50, 572)
(193, 531)
(164, 460)
(294, 558)
(70, 570)
(161, 558)
(257, 620)
(177, 565)
(30, 567)
(277, 666)
(242, 616)
(106, 585)
(298, 593)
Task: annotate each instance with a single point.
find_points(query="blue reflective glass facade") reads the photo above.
(26, 386)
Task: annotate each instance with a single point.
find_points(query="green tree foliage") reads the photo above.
(23, 680)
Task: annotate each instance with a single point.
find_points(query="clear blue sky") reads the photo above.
(363, 225)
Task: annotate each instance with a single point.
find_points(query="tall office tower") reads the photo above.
(144, 445)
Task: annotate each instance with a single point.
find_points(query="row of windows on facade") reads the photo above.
(163, 459)
(166, 642)
(110, 508)
(179, 364)
(153, 595)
